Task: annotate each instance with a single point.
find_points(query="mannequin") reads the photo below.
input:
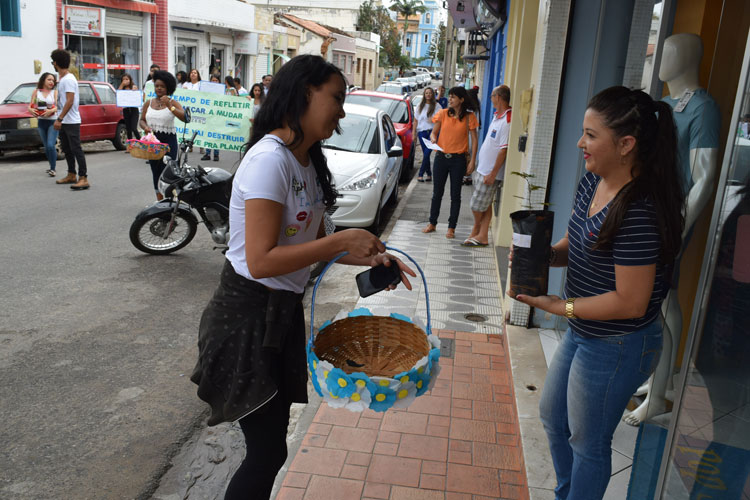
(698, 123)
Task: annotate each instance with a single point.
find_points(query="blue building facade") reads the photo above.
(419, 42)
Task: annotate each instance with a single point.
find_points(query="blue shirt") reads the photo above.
(592, 272)
(698, 126)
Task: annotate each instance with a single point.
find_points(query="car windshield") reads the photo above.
(22, 94)
(396, 109)
(390, 89)
(358, 135)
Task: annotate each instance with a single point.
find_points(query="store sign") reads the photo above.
(122, 66)
(93, 66)
(246, 43)
(220, 121)
(85, 21)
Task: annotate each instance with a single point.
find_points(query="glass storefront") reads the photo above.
(709, 444)
(123, 56)
(185, 52)
(87, 57)
(217, 62)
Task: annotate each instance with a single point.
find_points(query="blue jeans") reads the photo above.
(49, 138)
(588, 386)
(455, 167)
(425, 168)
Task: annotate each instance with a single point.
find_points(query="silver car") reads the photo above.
(365, 160)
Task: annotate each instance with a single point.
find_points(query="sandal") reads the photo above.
(450, 234)
(429, 229)
(471, 242)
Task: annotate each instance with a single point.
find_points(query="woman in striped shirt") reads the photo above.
(623, 236)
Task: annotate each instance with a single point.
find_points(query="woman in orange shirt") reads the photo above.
(451, 132)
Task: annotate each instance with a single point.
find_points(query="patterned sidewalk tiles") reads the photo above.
(460, 441)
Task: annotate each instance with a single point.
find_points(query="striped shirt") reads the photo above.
(592, 272)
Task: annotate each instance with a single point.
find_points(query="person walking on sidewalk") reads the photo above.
(490, 168)
(69, 122)
(423, 128)
(622, 240)
(158, 116)
(252, 363)
(453, 127)
(257, 96)
(43, 106)
(130, 114)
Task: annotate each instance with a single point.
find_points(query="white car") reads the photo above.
(365, 160)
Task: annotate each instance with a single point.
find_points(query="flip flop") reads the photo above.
(471, 242)
(429, 229)
(450, 234)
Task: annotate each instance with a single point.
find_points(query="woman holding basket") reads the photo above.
(622, 240)
(158, 116)
(252, 362)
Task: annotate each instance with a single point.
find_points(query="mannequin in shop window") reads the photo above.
(697, 119)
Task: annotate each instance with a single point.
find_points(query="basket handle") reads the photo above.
(325, 270)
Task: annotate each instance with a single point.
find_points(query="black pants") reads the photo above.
(157, 166)
(70, 140)
(442, 168)
(265, 442)
(131, 122)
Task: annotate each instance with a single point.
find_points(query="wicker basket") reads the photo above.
(368, 361)
(147, 150)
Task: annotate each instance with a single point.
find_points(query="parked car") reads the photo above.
(101, 119)
(412, 83)
(366, 161)
(423, 79)
(401, 111)
(394, 88)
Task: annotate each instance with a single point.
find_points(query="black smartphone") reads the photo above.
(378, 278)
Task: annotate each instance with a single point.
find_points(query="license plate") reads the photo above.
(2, 137)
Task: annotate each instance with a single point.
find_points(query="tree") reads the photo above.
(377, 20)
(407, 8)
(441, 43)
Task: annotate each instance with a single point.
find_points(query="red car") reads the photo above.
(401, 111)
(101, 119)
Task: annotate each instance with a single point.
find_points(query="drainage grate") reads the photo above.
(477, 318)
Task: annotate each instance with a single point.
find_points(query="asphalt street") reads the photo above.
(97, 340)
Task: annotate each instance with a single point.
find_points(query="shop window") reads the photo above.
(86, 57)
(123, 57)
(217, 62)
(10, 18)
(185, 51)
(106, 94)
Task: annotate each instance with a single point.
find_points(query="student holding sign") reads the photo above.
(130, 114)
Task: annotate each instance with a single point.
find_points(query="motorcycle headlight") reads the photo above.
(24, 123)
(365, 181)
(163, 186)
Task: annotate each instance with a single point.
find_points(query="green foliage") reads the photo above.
(377, 20)
(441, 43)
(407, 8)
(530, 188)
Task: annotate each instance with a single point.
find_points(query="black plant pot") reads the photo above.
(532, 236)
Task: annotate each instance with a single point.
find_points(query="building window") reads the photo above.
(370, 65)
(408, 41)
(427, 18)
(10, 18)
(426, 38)
(358, 64)
(336, 60)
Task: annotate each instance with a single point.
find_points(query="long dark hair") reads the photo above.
(43, 78)
(129, 78)
(287, 101)
(466, 104)
(431, 109)
(262, 93)
(656, 175)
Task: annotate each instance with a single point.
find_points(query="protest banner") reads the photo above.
(220, 121)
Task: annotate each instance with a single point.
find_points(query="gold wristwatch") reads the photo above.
(172, 108)
(569, 308)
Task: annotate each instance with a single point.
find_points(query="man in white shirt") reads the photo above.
(266, 83)
(490, 168)
(69, 122)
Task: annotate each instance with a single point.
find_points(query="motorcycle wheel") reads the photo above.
(147, 234)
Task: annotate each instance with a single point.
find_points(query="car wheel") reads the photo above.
(407, 165)
(120, 141)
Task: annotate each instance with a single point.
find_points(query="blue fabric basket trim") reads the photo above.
(401, 317)
(325, 324)
(340, 384)
(360, 311)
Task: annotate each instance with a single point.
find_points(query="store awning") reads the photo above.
(283, 57)
(132, 5)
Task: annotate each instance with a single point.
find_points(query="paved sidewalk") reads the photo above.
(461, 440)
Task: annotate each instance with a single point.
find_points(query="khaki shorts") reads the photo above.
(482, 196)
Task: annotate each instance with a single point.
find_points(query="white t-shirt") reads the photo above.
(424, 122)
(495, 140)
(270, 171)
(191, 85)
(68, 83)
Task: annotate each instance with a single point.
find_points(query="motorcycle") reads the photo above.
(170, 224)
